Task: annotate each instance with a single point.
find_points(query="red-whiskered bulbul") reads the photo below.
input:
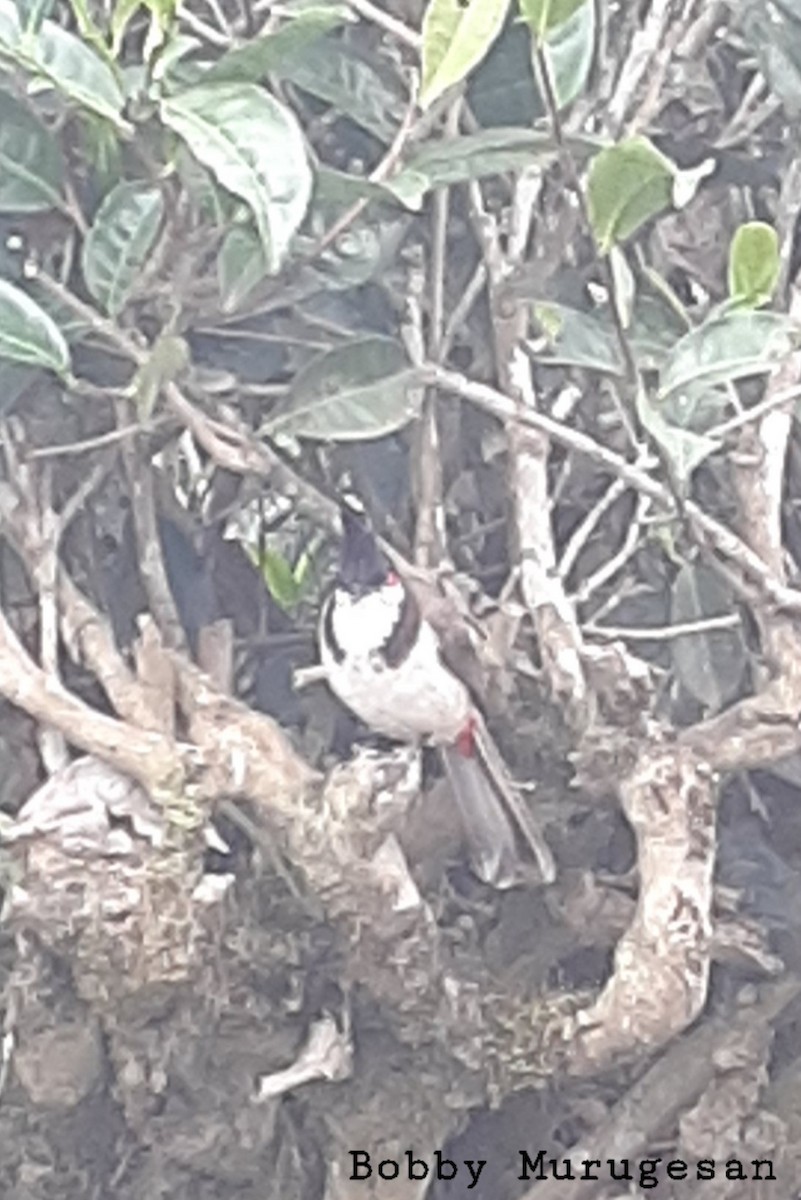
(386, 656)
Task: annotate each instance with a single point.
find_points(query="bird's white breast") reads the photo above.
(420, 698)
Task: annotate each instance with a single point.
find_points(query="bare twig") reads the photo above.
(385, 20)
(660, 56)
(87, 636)
(52, 746)
(85, 445)
(220, 18)
(754, 108)
(610, 567)
(586, 528)
(775, 398)
(786, 218)
(661, 633)
(648, 39)
(429, 541)
(44, 529)
(205, 31)
(726, 543)
(500, 405)
(462, 309)
(759, 480)
(150, 556)
(553, 615)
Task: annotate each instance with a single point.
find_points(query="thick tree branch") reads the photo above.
(155, 761)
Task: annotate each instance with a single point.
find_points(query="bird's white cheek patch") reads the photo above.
(367, 620)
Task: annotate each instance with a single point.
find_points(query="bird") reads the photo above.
(406, 668)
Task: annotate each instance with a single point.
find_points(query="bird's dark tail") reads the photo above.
(497, 822)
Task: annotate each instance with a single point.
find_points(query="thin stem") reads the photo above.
(662, 633)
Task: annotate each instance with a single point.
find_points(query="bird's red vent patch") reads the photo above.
(466, 741)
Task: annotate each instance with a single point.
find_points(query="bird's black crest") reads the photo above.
(362, 566)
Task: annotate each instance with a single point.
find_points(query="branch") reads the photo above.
(757, 576)
(659, 982)
(148, 543)
(553, 615)
(153, 760)
(676, 1080)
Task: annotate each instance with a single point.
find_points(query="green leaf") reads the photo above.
(359, 391)
(28, 334)
(370, 93)
(570, 49)
(254, 147)
(727, 347)
(357, 256)
(473, 156)
(337, 190)
(698, 406)
(64, 62)
(119, 242)
(254, 60)
(240, 266)
(15, 380)
(162, 21)
(103, 152)
(163, 11)
(90, 32)
(285, 584)
(542, 16)
(73, 328)
(33, 12)
(31, 166)
(753, 263)
(577, 339)
(456, 36)
(162, 24)
(655, 329)
(122, 14)
(709, 664)
(502, 91)
(628, 184)
(684, 448)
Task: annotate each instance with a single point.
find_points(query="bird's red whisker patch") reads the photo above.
(466, 741)
(393, 579)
